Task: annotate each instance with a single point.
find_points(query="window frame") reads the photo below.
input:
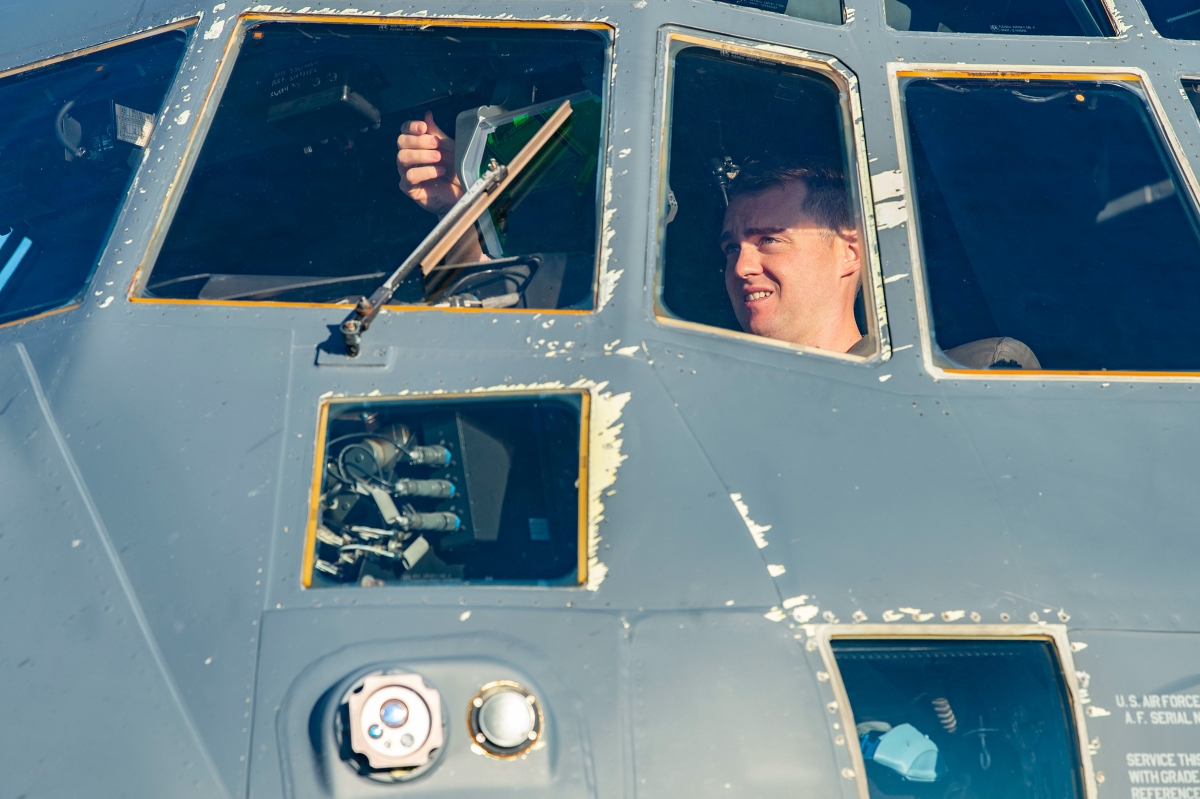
(181, 24)
(820, 638)
(673, 39)
(216, 90)
(932, 358)
(308, 555)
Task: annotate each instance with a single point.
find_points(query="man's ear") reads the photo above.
(851, 259)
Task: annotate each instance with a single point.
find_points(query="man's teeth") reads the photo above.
(758, 295)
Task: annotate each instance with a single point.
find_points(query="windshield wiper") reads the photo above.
(446, 233)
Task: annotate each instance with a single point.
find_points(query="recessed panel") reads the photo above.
(466, 490)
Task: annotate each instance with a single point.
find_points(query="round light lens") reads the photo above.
(375, 731)
(393, 713)
(506, 719)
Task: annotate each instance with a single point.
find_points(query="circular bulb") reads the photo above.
(506, 719)
(393, 713)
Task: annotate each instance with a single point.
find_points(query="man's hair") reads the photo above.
(825, 200)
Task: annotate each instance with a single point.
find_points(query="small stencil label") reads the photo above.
(133, 126)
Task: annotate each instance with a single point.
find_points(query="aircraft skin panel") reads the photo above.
(884, 494)
(86, 672)
(198, 557)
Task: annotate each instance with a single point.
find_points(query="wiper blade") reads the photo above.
(450, 229)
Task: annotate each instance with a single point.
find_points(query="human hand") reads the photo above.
(425, 161)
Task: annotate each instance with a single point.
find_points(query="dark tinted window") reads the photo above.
(817, 10)
(727, 112)
(71, 136)
(1175, 19)
(1004, 17)
(967, 719)
(1051, 214)
(295, 195)
(480, 489)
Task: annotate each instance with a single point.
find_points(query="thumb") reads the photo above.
(432, 129)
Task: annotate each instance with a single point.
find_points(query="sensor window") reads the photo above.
(474, 489)
(970, 718)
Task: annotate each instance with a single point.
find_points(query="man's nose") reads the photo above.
(747, 263)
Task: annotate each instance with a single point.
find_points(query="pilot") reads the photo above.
(793, 256)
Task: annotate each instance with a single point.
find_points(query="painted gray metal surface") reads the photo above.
(157, 460)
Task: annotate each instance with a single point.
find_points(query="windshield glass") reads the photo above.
(829, 11)
(1056, 232)
(763, 234)
(336, 147)
(1007, 17)
(71, 136)
(965, 719)
(1175, 19)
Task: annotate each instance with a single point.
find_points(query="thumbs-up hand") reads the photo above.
(425, 161)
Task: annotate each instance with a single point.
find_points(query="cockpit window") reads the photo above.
(336, 147)
(475, 489)
(1002, 17)
(973, 719)
(71, 135)
(763, 233)
(1175, 19)
(829, 11)
(1056, 232)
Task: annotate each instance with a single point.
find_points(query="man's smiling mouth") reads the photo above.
(757, 295)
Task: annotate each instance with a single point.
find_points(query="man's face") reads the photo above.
(787, 277)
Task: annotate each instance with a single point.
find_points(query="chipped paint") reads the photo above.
(628, 352)
(466, 614)
(624, 152)
(1078, 646)
(107, 302)
(775, 614)
(183, 118)
(792, 602)
(215, 29)
(776, 569)
(953, 615)
(849, 15)
(1095, 712)
(758, 531)
(608, 279)
(1122, 27)
(884, 378)
(887, 189)
(894, 278)
(805, 613)
(891, 615)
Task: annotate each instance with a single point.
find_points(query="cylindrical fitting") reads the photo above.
(432, 455)
(442, 489)
(440, 521)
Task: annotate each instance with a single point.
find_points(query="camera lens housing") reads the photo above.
(396, 721)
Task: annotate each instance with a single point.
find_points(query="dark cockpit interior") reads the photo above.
(727, 110)
(71, 136)
(294, 196)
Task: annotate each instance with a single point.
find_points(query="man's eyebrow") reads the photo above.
(753, 231)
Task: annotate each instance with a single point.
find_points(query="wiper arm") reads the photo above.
(450, 229)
